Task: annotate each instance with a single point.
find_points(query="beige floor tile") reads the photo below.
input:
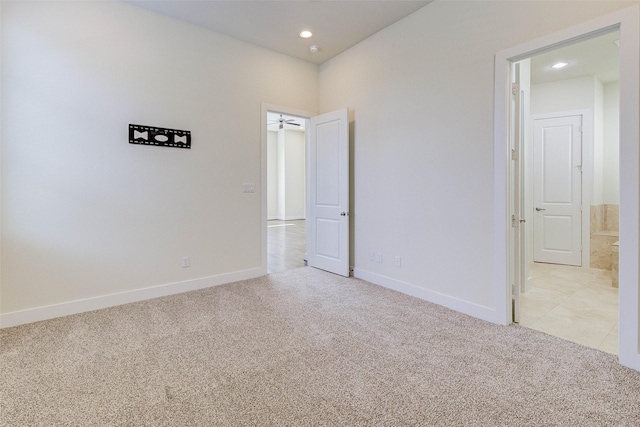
(591, 319)
(558, 284)
(541, 300)
(529, 318)
(610, 343)
(607, 296)
(581, 306)
(599, 284)
(571, 331)
(572, 303)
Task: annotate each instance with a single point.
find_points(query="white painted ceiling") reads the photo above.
(598, 57)
(340, 24)
(336, 24)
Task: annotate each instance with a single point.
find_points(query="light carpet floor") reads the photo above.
(303, 348)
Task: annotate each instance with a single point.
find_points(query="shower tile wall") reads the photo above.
(604, 233)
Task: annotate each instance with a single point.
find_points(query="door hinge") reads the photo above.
(517, 221)
(515, 88)
(514, 154)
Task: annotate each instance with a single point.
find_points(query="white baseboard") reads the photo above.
(286, 218)
(37, 314)
(471, 309)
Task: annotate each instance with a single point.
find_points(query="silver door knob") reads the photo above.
(343, 213)
(540, 209)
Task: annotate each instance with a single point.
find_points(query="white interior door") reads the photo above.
(557, 176)
(517, 219)
(328, 219)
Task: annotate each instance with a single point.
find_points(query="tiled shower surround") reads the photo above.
(604, 233)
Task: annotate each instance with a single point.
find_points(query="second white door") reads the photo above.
(328, 171)
(557, 182)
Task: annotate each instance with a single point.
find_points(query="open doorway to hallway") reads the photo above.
(286, 192)
(570, 192)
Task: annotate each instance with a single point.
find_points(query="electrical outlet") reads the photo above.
(398, 261)
(372, 256)
(379, 257)
(185, 262)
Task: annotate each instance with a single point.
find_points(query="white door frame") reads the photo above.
(265, 108)
(628, 22)
(587, 171)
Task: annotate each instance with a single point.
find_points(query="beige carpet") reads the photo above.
(303, 348)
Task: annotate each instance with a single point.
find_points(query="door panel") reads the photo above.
(328, 234)
(517, 222)
(327, 152)
(558, 190)
(326, 245)
(557, 165)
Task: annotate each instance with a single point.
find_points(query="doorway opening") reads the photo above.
(568, 198)
(286, 192)
(508, 233)
(327, 187)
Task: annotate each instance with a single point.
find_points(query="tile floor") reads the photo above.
(572, 303)
(286, 245)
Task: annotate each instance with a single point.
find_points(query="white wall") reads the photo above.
(282, 188)
(272, 175)
(295, 177)
(611, 147)
(286, 175)
(421, 96)
(86, 214)
(597, 196)
(563, 95)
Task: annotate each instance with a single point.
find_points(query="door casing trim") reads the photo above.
(627, 20)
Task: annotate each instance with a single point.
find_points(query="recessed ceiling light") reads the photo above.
(559, 65)
(305, 34)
